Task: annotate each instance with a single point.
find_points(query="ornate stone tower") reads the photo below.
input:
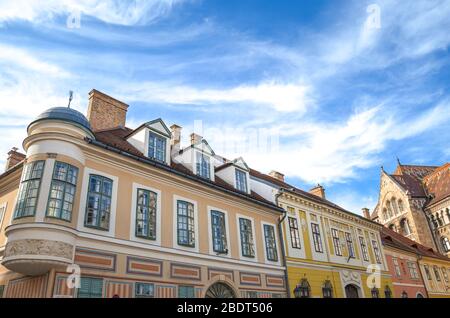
(401, 203)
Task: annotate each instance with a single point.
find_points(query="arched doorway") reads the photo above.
(351, 291)
(220, 290)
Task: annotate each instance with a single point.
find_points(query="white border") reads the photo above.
(250, 259)
(294, 252)
(83, 199)
(44, 190)
(227, 232)
(133, 236)
(175, 224)
(275, 232)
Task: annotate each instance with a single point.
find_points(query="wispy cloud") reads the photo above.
(110, 11)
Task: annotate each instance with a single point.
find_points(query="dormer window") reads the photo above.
(156, 147)
(203, 165)
(241, 180)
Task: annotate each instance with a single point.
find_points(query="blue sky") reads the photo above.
(328, 95)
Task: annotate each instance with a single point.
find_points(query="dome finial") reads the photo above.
(70, 98)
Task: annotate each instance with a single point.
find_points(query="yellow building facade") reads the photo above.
(330, 252)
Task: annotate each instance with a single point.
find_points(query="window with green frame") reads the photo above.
(246, 233)
(62, 191)
(157, 147)
(186, 292)
(98, 207)
(90, 288)
(29, 189)
(144, 290)
(219, 237)
(146, 214)
(185, 223)
(271, 243)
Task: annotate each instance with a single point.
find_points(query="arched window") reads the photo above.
(400, 206)
(302, 290)
(387, 292)
(404, 294)
(446, 243)
(394, 206)
(404, 225)
(439, 219)
(389, 209)
(375, 293)
(327, 289)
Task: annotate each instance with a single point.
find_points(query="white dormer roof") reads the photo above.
(227, 172)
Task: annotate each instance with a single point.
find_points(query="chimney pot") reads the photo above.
(318, 191)
(366, 213)
(14, 157)
(277, 175)
(195, 139)
(105, 112)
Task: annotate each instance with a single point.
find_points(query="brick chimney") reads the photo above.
(195, 139)
(318, 191)
(105, 112)
(366, 213)
(276, 175)
(14, 157)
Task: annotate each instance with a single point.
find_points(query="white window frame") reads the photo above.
(277, 245)
(3, 208)
(247, 179)
(83, 202)
(242, 257)
(227, 232)
(175, 224)
(211, 164)
(133, 236)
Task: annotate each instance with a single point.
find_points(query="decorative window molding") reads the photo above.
(270, 242)
(193, 246)
(218, 230)
(246, 231)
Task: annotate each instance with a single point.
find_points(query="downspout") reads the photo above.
(283, 252)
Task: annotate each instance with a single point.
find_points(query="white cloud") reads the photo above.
(279, 96)
(109, 11)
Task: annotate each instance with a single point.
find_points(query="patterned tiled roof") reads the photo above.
(438, 184)
(394, 239)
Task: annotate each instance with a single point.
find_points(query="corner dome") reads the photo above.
(64, 114)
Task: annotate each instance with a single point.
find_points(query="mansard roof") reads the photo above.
(115, 140)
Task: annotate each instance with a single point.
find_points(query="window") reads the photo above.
(185, 223)
(351, 250)
(317, 240)
(2, 289)
(404, 225)
(446, 244)
(157, 147)
(375, 293)
(144, 290)
(336, 242)
(62, 191)
(413, 270)
(362, 242)
(397, 269)
(376, 251)
(29, 189)
(90, 288)
(246, 232)
(146, 214)
(444, 273)
(203, 166)
(293, 230)
(404, 294)
(400, 206)
(327, 289)
(387, 292)
(436, 273)
(186, 292)
(2, 213)
(271, 243)
(427, 271)
(241, 180)
(98, 208)
(252, 294)
(219, 236)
